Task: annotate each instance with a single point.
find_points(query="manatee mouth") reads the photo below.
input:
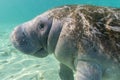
(40, 53)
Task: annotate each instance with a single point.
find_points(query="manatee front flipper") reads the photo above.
(88, 71)
(65, 72)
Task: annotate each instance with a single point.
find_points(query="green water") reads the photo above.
(17, 66)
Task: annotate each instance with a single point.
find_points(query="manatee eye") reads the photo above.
(41, 26)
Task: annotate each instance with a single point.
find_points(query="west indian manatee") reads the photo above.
(85, 40)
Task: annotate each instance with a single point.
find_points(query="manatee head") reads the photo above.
(31, 37)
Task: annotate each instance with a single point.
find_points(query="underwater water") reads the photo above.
(17, 66)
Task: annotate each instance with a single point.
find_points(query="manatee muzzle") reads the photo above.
(21, 41)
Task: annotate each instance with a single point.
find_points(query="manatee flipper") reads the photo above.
(88, 71)
(65, 72)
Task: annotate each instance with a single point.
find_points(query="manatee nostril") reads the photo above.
(19, 37)
(22, 42)
(22, 39)
(23, 34)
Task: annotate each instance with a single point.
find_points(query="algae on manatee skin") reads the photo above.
(104, 28)
(95, 24)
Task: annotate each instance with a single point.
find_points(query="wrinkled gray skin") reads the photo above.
(57, 32)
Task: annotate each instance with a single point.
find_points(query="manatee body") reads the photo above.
(85, 39)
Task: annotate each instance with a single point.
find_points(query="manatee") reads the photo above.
(85, 39)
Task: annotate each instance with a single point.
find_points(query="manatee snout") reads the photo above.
(21, 41)
(32, 37)
(26, 40)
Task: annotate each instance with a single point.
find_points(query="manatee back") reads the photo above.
(94, 27)
(98, 27)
